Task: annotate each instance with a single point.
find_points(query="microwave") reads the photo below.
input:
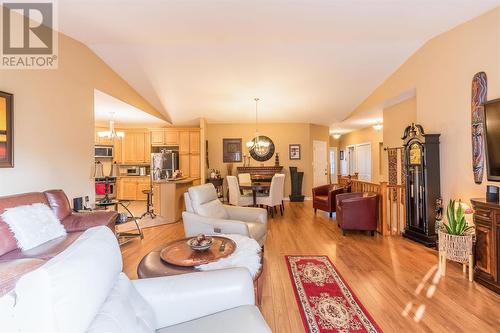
(103, 151)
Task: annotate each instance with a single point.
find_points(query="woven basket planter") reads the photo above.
(456, 248)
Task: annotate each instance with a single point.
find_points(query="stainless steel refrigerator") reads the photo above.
(164, 164)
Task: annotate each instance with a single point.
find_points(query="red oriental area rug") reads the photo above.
(325, 301)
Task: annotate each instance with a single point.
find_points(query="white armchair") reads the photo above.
(205, 214)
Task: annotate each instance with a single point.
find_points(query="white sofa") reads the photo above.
(83, 290)
(205, 214)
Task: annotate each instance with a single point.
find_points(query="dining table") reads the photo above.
(255, 187)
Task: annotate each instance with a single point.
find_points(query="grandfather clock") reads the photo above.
(421, 167)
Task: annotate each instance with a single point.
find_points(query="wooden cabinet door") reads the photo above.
(194, 142)
(129, 190)
(147, 148)
(142, 186)
(128, 146)
(157, 137)
(194, 165)
(140, 147)
(171, 137)
(184, 142)
(484, 247)
(184, 164)
(117, 153)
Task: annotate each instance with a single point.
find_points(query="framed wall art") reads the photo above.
(294, 152)
(6, 130)
(341, 155)
(231, 150)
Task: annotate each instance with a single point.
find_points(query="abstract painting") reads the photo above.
(6, 130)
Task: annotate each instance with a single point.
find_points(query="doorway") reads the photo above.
(320, 163)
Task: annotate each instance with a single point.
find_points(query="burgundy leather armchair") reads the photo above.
(357, 211)
(324, 197)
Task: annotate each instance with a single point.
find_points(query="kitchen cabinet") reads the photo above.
(194, 165)
(158, 137)
(189, 152)
(194, 142)
(136, 147)
(130, 188)
(127, 189)
(117, 153)
(184, 160)
(171, 137)
(184, 144)
(142, 186)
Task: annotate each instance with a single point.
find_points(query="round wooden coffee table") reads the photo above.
(153, 266)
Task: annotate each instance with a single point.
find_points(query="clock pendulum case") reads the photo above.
(421, 167)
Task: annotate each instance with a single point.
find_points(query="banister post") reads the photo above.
(383, 220)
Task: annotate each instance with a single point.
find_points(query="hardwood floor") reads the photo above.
(395, 279)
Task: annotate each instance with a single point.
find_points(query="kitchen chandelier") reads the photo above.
(257, 144)
(111, 133)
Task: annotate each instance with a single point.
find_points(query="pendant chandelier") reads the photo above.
(257, 144)
(111, 133)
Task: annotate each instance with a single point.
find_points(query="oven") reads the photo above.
(101, 189)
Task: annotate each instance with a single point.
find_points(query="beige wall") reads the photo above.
(396, 118)
(281, 134)
(54, 121)
(365, 135)
(441, 72)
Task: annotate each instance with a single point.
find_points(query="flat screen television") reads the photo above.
(492, 139)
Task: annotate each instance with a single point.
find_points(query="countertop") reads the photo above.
(180, 181)
(130, 176)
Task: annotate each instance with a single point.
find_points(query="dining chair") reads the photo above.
(276, 193)
(235, 197)
(245, 178)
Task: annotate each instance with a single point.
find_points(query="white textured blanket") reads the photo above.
(247, 254)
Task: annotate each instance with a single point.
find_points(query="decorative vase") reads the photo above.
(456, 248)
(277, 160)
(296, 178)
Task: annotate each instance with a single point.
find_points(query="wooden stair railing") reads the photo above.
(392, 205)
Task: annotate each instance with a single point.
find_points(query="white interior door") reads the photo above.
(364, 161)
(320, 163)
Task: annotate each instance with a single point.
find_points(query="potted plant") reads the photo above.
(456, 237)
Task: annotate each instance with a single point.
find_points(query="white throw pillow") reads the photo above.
(33, 225)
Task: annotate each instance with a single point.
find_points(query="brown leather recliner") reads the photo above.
(324, 197)
(14, 262)
(357, 211)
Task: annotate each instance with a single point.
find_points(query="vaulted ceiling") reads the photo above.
(308, 60)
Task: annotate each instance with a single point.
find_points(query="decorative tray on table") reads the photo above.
(179, 253)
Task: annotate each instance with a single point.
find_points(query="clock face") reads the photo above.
(415, 154)
(263, 151)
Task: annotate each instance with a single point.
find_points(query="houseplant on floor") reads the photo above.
(456, 238)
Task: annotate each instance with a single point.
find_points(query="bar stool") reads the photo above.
(149, 204)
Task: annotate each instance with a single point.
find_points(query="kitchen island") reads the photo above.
(168, 197)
